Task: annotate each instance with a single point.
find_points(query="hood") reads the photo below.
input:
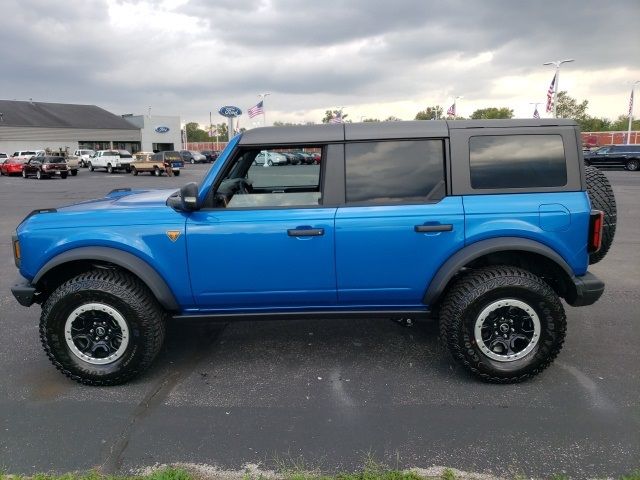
(124, 198)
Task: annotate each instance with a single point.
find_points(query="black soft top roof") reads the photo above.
(311, 134)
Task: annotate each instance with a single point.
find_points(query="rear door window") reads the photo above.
(517, 161)
(394, 172)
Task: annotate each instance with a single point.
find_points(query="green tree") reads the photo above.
(622, 123)
(492, 112)
(329, 114)
(392, 118)
(195, 133)
(593, 124)
(430, 113)
(369, 120)
(568, 107)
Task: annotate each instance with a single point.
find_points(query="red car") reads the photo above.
(45, 167)
(11, 166)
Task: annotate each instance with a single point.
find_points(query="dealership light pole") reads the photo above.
(557, 64)
(633, 85)
(264, 115)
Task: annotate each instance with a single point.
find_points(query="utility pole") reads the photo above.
(557, 64)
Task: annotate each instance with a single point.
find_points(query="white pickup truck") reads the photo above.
(83, 156)
(111, 160)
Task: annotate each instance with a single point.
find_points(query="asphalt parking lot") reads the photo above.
(328, 391)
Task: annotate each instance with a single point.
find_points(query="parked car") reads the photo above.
(316, 156)
(45, 167)
(3, 156)
(273, 158)
(307, 158)
(157, 163)
(211, 155)
(110, 160)
(25, 154)
(11, 166)
(191, 156)
(627, 156)
(292, 158)
(83, 155)
(483, 225)
(71, 160)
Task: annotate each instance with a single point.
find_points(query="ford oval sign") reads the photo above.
(162, 129)
(230, 111)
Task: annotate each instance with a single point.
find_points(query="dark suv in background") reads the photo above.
(627, 156)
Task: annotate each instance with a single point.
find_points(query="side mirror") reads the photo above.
(189, 196)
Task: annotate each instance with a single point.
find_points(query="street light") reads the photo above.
(557, 64)
(264, 115)
(633, 85)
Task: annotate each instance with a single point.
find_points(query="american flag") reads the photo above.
(337, 118)
(536, 114)
(257, 109)
(452, 110)
(631, 103)
(550, 94)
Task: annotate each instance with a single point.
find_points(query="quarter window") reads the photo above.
(394, 172)
(517, 161)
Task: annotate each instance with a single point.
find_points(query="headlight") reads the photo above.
(16, 251)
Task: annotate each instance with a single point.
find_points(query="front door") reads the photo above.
(264, 241)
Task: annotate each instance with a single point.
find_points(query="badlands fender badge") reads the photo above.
(173, 234)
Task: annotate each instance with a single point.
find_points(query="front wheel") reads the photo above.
(503, 324)
(176, 173)
(109, 168)
(157, 172)
(64, 175)
(134, 170)
(24, 173)
(39, 175)
(102, 327)
(90, 167)
(74, 173)
(192, 161)
(632, 165)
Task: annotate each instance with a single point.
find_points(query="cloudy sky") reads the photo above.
(374, 58)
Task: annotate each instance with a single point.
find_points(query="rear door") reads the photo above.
(397, 224)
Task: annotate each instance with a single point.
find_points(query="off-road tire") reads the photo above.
(602, 198)
(131, 298)
(472, 293)
(632, 164)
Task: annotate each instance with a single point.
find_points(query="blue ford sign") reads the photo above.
(162, 129)
(230, 111)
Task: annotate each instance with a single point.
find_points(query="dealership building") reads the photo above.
(58, 126)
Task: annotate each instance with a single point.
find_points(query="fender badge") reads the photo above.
(173, 235)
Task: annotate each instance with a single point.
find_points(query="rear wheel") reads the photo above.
(176, 173)
(39, 175)
(632, 165)
(74, 173)
(24, 173)
(157, 172)
(192, 161)
(602, 198)
(503, 324)
(102, 327)
(109, 168)
(63, 175)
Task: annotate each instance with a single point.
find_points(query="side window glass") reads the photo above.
(394, 172)
(268, 177)
(517, 161)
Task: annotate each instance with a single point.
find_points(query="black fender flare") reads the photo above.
(484, 247)
(149, 276)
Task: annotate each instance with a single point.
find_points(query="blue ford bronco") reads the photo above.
(482, 225)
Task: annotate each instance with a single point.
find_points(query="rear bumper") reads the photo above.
(587, 290)
(25, 293)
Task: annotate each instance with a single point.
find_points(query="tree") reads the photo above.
(492, 112)
(568, 107)
(369, 120)
(592, 124)
(622, 124)
(195, 133)
(430, 113)
(329, 114)
(392, 118)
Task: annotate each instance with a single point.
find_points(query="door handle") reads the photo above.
(305, 232)
(446, 227)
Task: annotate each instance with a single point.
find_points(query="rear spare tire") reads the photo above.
(602, 198)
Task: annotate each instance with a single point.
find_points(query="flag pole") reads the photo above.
(263, 96)
(631, 111)
(557, 64)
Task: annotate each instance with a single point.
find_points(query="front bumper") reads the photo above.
(586, 290)
(25, 293)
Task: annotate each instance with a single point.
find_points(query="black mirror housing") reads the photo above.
(189, 196)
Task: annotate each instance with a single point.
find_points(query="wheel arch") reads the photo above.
(72, 262)
(521, 252)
